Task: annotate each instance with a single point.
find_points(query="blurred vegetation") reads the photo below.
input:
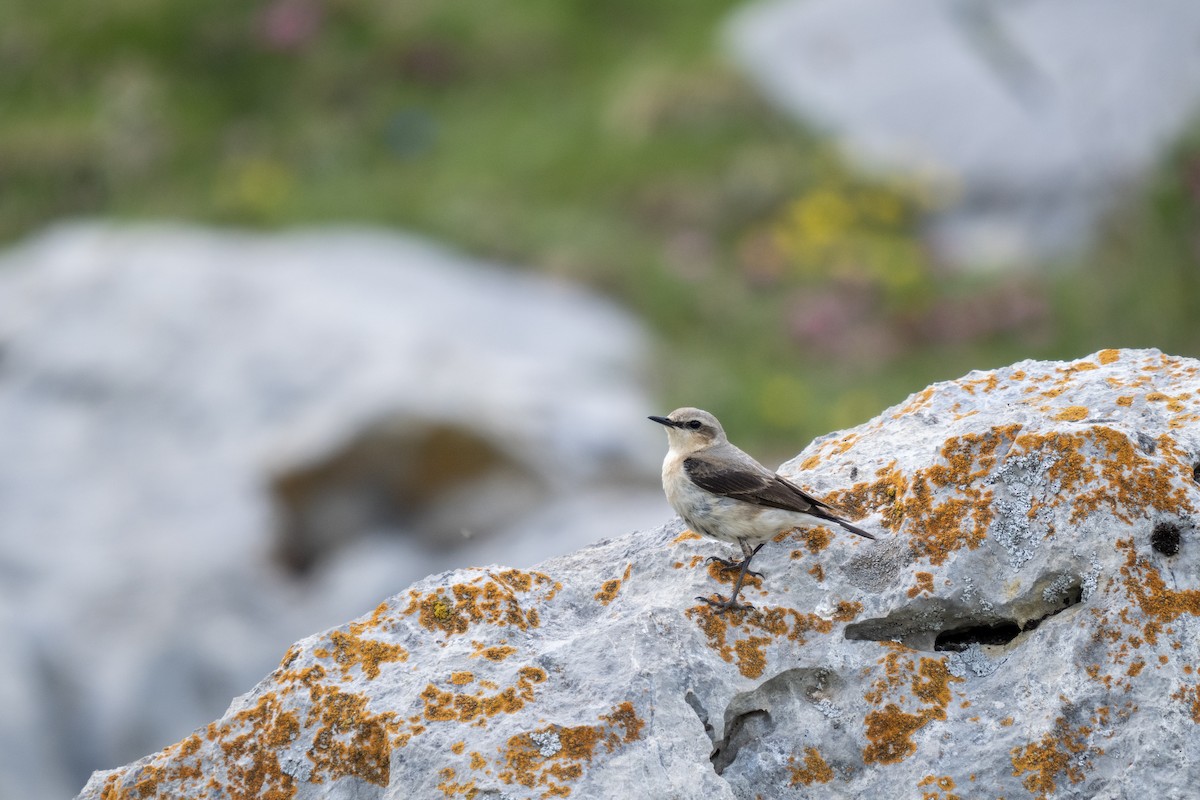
(606, 142)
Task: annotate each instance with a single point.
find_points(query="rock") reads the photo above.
(1025, 627)
(1035, 117)
(217, 442)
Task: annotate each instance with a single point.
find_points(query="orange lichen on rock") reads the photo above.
(830, 447)
(847, 610)
(924, 584)
(916, 402)
(1131, 483)
(726, 575)
(880, 495)
(348, 740)
(495, 653)
(446, 705)
(751, 659)
(813, 770)
(1145, 588)
(1072, 414)
(610, 588)
(179, 765)
(360, 749)
(379, 619)
(948, 506)
(777, 623)
(1191, 696)
(450, 788)
(336, 730)
(940, 788)
(686, 536)
(889, 729)
(1069, 466)
(555, 756)
(490, 602)
(1059, 752)
(341, 738)
(1055, 391)
(349, 651)
(943, 507)
(1108, 356)
(987, 384)
(843, 443)
(932, 682)
(938, 528)
(816, 539)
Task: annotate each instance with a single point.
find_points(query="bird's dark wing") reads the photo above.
(761, 488)
(750, 486)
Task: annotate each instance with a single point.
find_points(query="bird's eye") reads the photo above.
(694, 424)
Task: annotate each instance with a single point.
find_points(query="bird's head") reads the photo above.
(690, 429)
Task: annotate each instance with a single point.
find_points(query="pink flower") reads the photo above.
(290, 24)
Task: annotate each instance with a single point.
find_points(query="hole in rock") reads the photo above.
(937, 625)
(742, 730)
(1196, 472)
(747, 721)
(400, 477)
(1165, 538)
(960, 639)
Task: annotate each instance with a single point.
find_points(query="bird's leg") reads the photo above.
(728, 564)
(724, 605)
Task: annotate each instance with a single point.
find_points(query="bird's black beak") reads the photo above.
(664, 421)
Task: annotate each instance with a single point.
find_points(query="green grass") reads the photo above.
(607, 143)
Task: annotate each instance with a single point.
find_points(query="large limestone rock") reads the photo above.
(213, 443)
(1026, 627)
(1034, 117)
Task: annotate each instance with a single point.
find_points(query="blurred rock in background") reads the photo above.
(1034, 117)
(214, 443)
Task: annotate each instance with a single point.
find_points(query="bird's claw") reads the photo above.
(721, 605)
(727, 565)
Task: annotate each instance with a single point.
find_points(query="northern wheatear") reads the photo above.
(723, 493)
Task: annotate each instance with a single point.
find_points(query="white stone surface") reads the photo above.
(155, 380)
(1020, 511)
(1036, 115)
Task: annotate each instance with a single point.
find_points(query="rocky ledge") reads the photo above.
(1025, 627)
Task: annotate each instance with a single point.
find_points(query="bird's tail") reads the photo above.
(853, 529)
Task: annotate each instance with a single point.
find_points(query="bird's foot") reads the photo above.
(727, 565)
(721, 605)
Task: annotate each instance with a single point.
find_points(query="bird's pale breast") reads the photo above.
(724, 518)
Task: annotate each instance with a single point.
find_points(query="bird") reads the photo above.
(721, 492)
